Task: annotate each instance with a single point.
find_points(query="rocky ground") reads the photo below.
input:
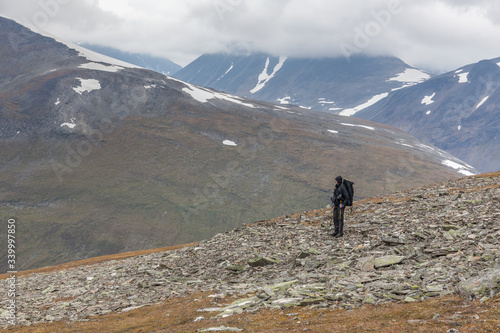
(406, 247)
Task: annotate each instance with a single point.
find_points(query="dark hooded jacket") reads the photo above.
(340, 193)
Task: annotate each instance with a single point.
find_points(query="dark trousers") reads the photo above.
(338, 219)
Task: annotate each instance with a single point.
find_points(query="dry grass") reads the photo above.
(178, 315)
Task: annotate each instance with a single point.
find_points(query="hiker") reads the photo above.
(340, 196)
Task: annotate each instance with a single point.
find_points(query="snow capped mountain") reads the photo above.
(335, 85)
(457, 111)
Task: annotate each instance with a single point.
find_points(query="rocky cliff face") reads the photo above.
(405, 247)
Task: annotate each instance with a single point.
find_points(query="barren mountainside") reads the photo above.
(100, 157)
(458, 112)
(332, 85)
(407, 247)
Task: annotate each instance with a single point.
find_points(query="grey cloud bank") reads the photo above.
(434, 35)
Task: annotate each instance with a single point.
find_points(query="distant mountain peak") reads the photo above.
(325, 84)
(457, 111)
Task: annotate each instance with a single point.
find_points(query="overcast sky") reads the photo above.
(435, 35)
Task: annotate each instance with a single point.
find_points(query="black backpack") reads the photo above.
(350, 189)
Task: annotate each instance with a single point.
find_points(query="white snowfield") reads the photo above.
(229, 69)
(284, 100)
(264, 77)
(101, 67)
(427, 100)
(463, 169)
(87, 85)
(203, 95)
(361, 126)
(411, 76)
(373, 100)
(229, 143)
(463, 78)
(70, 125)
(482, 102)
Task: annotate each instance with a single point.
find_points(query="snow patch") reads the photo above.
(264, 78)
(58, 101)
(232, 65)
(482, 102)
(334, 132)
(459, 127)
(465, 170)
(410, 77)
(284, 100)
(87, 85)
(229, 143)
(150, 86)
(101, 67)
(279, 108)
(362, 126)
(459, 71)
(70, 125)
(203, 95)
(463, 78)
(428, 112)
(402, 142)
(324, 101)
(373, 100)
(427, 100)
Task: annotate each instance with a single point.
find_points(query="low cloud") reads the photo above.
(434, 35)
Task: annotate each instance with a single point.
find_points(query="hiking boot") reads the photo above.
(334, 234)
(340, 234)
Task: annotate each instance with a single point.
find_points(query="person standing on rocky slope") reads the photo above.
(339, 198)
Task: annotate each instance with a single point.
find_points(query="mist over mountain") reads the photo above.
(99, 156)
(157, 64)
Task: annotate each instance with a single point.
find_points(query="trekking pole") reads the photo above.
(332, 216)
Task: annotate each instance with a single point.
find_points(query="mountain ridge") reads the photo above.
(456, 111)
(324, 84)
(157, 64)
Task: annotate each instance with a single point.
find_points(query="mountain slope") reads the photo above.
(457, 111)
(157, 64)
(99, 156)
(411, 246)
(327, 84)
